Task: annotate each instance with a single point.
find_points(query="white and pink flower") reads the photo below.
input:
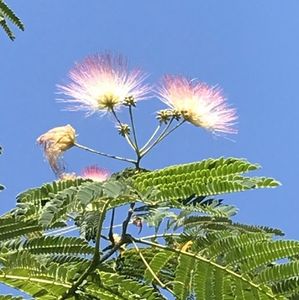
(101, 83)
(198, 103)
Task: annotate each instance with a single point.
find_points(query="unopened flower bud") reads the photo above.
(176, 114)
(164, 115)
(123, 129)
(129, 101)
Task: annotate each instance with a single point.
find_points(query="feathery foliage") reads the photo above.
(205, 178)
(201, 253)
(7, 14)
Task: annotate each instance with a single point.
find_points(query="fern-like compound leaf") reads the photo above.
(114, 286)
(205, 178)
(254, 255)
(25, 272)
(183, 274)
(9, 14)
(49, 245)
(11, 228)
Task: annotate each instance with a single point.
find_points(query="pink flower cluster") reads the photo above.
(95, 173)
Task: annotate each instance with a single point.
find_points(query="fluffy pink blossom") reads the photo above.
(200, 104)
(95, 173)
(102, 82)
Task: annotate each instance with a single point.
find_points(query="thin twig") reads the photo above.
(110, 234)
(133, 127)
(162, 133)
(162, 136)
(127, 220)
(105, 154)
(151, 138)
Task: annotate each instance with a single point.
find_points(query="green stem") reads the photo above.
(151, 138)
(162, 136)
(157, 139)
(99, 230)
(127, 137)
(133, 127)
(105, 154)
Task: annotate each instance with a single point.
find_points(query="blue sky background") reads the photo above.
(249, 48)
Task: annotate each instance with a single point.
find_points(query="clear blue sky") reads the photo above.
(249, 48)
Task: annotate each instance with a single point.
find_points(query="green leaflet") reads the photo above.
(6, 28)
(57, 208)
(9, 14)
(223, 245)
(205, 178)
